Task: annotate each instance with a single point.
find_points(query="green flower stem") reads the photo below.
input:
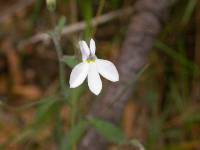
(73, 116)
(99, 11)
(56, 39)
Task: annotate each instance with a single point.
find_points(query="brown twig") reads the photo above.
(76, 27)
(145, 25)
(13, 62)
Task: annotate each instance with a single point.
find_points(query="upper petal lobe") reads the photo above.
(85, 51)
(92, 47)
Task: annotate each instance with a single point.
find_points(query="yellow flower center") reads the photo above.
(91, 59)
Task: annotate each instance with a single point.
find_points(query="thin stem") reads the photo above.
(56, 35)
(99, 11)
(74, 19)
(56, 40)
(73, 113)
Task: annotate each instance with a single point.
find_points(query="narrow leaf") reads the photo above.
(45, 110)
(74, 135)
(70, 61)
(61, 24)
(108, 130)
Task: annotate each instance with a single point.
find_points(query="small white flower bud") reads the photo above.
(51, 5)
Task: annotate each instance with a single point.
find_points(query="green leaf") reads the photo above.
(70, 61)
(61, 24)
(45, 110)
(74, 135)
(108, 130)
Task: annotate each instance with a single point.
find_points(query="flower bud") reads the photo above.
(51, 5)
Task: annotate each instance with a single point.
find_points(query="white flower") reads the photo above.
(91, 67)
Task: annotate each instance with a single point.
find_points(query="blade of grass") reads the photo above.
(176, 56)
(87, 15)
(189, 11)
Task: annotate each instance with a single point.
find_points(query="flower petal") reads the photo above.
(85, 51)
(92, 47)
(78, 74)
(107, 69)
(94, 80)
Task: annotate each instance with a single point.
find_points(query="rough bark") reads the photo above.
(145, 25)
